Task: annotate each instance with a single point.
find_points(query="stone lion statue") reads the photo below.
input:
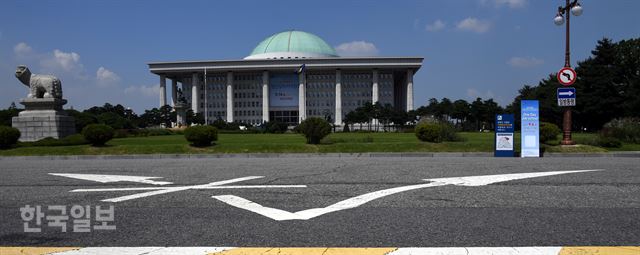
(40, 85)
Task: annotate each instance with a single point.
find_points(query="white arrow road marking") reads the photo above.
(106, 178)
(279, 215)
(163, 190)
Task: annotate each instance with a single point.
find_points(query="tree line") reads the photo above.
(608, 87)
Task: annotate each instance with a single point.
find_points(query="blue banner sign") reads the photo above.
(504, 135)
(530, 116)
(283, 90)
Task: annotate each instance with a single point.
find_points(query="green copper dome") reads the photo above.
(292, 44)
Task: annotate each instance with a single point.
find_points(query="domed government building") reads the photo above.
(288, 77)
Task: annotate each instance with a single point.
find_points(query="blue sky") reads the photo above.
(472, 48)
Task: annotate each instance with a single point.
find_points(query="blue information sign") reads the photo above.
(530, 140)
(504, 135)
(566, 92)
(567, 96)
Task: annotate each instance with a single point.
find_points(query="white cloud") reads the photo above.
(357, 48)
(147, 91)
(472, 94)
(22, 49)
(524, 62)
(510, 3)
(69, 61)
(474, 25)
(435, 26)
(106, 77)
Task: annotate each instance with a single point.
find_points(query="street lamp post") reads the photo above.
(576, 9)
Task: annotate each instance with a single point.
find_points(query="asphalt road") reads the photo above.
(586, 208)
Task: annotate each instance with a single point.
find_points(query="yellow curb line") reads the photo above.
(600, 250)
(34, 250)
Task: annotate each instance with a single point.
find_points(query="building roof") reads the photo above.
(291, 45)
(187, 68)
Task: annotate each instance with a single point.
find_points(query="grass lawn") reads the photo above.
(295, 143)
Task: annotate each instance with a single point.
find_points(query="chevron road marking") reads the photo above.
(163, 190)
(280, 215)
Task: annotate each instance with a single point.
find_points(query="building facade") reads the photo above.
(288, 77)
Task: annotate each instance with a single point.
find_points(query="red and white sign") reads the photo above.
(567, 76)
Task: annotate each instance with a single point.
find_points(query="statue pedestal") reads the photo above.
(43, 117)
(181, 114)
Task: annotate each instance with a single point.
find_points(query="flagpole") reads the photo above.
(206, 105)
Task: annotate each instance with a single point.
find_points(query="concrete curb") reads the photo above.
(631, 154)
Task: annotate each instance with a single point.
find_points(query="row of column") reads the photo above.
(163, 91)
(302, 109)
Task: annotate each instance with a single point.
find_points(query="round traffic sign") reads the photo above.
(567, 76)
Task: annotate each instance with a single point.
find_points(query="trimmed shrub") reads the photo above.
(8, 136)
(548, 132)
(98, 134)
(609, 142)
(429, 132)
(436, 132)
(625, 130)
(314, 129)
(276, 127)
(201, 135)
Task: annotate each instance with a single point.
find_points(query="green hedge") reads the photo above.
(8, 136)
(548, 132)
(201, 135)
(625, 130)
(436, 132)
(98, 134)
(77, 139)
(314, 129)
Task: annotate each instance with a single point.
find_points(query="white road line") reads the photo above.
(175, 189)
(279, 215)
(489, 179)
(163, 190)
(214, 187)
(106, 178)
(116, 189)
(254, 187)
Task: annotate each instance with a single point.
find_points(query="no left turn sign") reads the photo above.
(567, 76)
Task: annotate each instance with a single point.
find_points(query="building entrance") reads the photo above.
(289, 117)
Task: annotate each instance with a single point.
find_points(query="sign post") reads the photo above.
(530, 128)
(504, 136)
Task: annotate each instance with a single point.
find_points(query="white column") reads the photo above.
(409, 90)
(229, 97)
(195, 95)
(174, 92)
(265, 96)
(302, 95)
(163, 90)
(338, 114)
(374, 89)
